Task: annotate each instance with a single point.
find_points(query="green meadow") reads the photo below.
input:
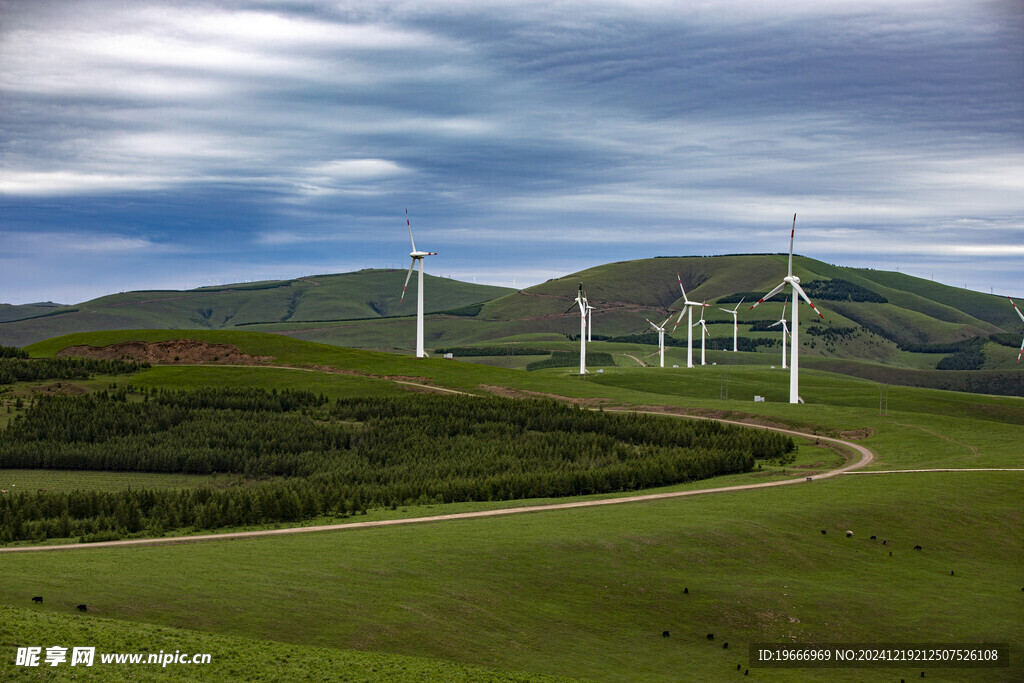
(586, 593)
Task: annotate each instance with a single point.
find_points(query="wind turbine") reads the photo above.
(661, 336)
(416, 256)
(735, 322)
(1022, 319)
(785, 333)
(703, 333)
(794, 284)
(688, 308)
(581, 301)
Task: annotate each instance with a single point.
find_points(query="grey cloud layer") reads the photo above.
(615, 124)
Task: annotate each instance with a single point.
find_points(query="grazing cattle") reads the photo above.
(711, 636)
(3, 490)
(686, 591)
(951, 573)
(849, 534)
(885, 542)
(874, 538)
(890, 553)
(665, 634)
(725, 646)
(739, 666)
(746, 672)
(82, 608)
(37, 599)
(917, 547)
(823, 532)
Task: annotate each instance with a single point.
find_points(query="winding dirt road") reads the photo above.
(866, 457)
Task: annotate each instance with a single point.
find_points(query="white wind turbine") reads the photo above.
(785, 333)
(794, 284)
(416, 256)
(661, 337)
(735, 322)
(581, 301)
(703, 334)
(688, 309)
(1022, 320)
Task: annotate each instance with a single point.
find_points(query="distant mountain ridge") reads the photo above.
(879, 317)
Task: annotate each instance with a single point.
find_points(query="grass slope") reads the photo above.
(588, 593)
(363, 294)
(232, 658)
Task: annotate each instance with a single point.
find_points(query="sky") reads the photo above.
(152, 145)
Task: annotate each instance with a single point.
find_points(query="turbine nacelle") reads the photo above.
(421, 254)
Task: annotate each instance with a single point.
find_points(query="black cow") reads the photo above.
(711, 636)
(665, 634)
(725, 646)
(686, 591)
(823, 532)
(849, 534)
(37, 599)
(885, 542)
(951, 573)
(82, 608)
(917, 547)
(874, 538)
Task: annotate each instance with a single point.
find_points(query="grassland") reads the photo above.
(587, 593)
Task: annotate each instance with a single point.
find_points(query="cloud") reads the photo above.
(602, 129)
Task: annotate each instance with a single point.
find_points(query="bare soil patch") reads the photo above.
(184, 351)
(60, 388)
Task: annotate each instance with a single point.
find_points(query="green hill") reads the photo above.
(872, 318)
(309, 300)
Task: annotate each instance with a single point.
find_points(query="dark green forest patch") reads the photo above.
(301, 457)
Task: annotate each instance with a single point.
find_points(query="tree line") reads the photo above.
(303, 457)
(20, 369)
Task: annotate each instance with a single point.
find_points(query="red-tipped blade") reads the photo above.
(769, 295)
(1016, 309)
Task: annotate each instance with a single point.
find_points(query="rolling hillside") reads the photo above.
(359, 295)
(873, 319)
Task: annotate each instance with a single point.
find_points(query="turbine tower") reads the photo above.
(735, 322)
(794, 284)
(785, 333)
(1022, 320)
(688, 309)
(416, 256)
(703, 333)
(581, 301)
(661, 337)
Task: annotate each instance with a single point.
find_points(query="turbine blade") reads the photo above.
(679, 319)
(739, 304)
(791, 233)
(800, 291)
(681, 288)
(409, 225)
(407, 276)
(775, 323)
(1021, 351)
(769, 295)
(666, 320)
(1016, 309)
